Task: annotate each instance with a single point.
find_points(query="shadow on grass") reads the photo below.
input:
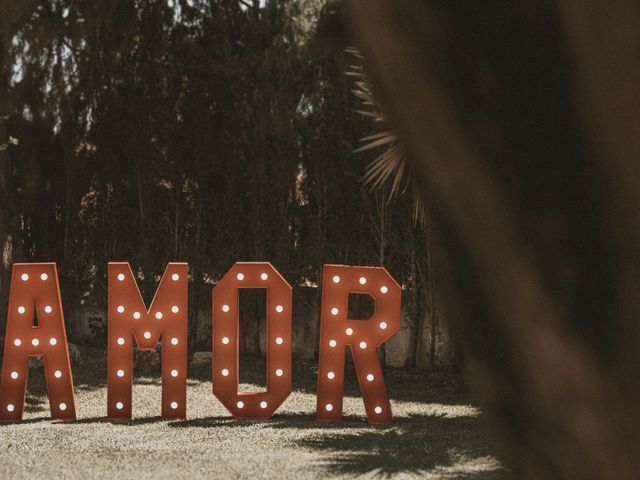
(444, 446)
(126, 422)
(411, 445)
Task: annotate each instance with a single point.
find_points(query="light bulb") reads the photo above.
(336, 279)
(349, 331)
(159, 315)
(370, 377)
(279, 372)
(263, 404)
(21, 309)
(48, 309)
(175, 309)
(331, 375)
(121, 279)
(120, 373)
(279, 340)
(35, 342)
(119, 405)
(264, 276)
(14, 375)
(43, 276)
(17, 342)
(378, 409)
(136, 315)
(383, 325)
(328, 407)
(147, 335)
(362, 280)
(334, 311)
(63, 406)
(174, 373)
(240, 404)
(52, 341)
(24, 277)
(225, 340)
(279, 309)
(226, 308)
(174, 341)
(363, 345)
(57, 374)
(332, 343)
(384, 289)
(225, 372)
(174, 405)
(240, 276)
(175, 277)
(121, 341)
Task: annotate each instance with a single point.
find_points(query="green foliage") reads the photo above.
(200, 131)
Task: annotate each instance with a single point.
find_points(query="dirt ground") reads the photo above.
(435, 434)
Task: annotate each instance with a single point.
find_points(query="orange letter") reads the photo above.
(35, 290)
(129, 319)
(363, 336)
(225, 340)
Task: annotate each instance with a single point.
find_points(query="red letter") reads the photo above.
(129, 319)
(225, 340)
(35, 290)
(363, 336)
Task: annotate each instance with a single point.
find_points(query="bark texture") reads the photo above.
(523, 120)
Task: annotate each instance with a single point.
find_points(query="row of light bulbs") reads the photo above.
(61, 406)
(175, 277)
(158, 315)
(329, 407)
(35, 342)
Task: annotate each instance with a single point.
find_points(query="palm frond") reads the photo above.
(391, 165)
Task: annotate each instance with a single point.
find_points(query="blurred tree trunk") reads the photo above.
(523, 119)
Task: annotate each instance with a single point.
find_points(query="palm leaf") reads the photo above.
(391, 165)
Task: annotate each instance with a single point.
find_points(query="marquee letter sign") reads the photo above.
(35, 294)
(35, 327)
(130, 320)
(363, 336)
(225, 340)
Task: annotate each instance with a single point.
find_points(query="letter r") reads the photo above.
(337, 332)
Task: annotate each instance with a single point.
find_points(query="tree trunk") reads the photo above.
(5, 173)
(523, 121)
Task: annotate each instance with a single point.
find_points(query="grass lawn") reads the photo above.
(435, 433)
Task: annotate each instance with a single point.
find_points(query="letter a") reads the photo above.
(35, 293)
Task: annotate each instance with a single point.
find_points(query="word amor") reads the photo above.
(35, 291)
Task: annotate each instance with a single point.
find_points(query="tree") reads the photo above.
(205, 131)
(12, 15)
